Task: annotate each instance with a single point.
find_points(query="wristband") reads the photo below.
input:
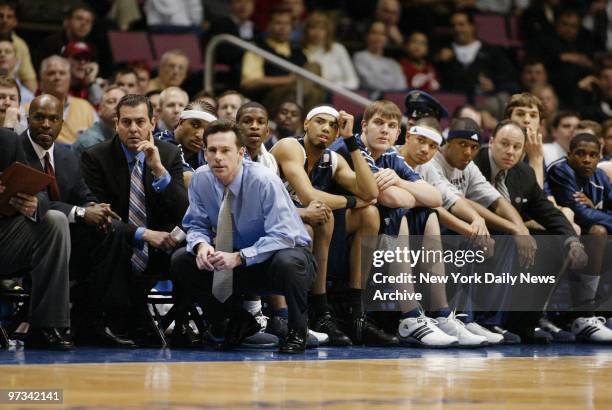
(351, 144)
(351, 201)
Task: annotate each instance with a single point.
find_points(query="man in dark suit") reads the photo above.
(36, 241)
(89, 222)
(515, 180)
(142, 179)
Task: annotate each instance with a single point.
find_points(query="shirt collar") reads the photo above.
(236, 183)
(40, 151)
(130, 156)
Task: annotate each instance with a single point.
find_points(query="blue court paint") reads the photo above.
(18, 356)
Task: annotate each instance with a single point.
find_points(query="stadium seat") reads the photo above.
(188, 43)
(492, 30)
(343, 103)
(130, 46)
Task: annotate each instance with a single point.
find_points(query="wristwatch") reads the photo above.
(242, 259)
(79, 214)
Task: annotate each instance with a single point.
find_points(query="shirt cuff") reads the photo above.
(249, 254)
(71, 215)
(138, 241)
(161, 183)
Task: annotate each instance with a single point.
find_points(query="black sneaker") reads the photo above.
(363, 332)
(241, 325)
(509, 337)
(327, 324)
(559, 335)
(4, 340)
(295, 342)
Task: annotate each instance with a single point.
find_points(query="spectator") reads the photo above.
(533, 74)
(228, 104)
(183, 13)
(153, 97)
(265, 82)
(171, 102)
(78, 113)
(419, 72)
(567, 54)
(550, 103)
(562, 131)
(377, 72)
(298, 14)
(77, 25)
(83, 72)
(607, 137)
(8, 66)
(239, 23)
(10, 115)
(539, 18)
(319, 47)
(173, 68)
(595, 95)
(471, 66)
(143, 74)
(8, 22)
(288, 122)
(389, 13)
(127, 79)
(104, 129)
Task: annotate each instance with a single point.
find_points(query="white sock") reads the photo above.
(253, 306)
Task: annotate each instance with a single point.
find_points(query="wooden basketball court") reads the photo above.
(556, 377)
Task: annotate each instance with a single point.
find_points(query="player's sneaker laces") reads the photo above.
(455, 327)
(423, 331)
(492, 337)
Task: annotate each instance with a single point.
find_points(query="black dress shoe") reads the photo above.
(4, 340)
(101, 336)
(363, 332)
(183, 336)
(327, 324)
(47, 339)
(295, 342)
(148, 336)
(241, 325)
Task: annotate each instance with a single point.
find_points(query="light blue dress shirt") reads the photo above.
(265, 219)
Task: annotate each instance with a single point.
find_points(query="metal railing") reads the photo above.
(301, 73)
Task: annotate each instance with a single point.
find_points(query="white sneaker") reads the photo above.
(322, 338)
(455, 327)
(492, 337)
(423, 331)
(591, 329)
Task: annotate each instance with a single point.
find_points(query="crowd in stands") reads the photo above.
(273, 194)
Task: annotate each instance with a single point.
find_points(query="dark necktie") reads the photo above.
(500, 185)
(138, 215)
(53, 189)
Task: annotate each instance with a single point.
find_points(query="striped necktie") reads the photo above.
(500, 185)
(138, 215)
(223, 279)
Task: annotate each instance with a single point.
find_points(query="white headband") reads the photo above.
(324, 109)
(199, 115)
(427, 133)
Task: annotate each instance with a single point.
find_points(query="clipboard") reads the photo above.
(21, 178)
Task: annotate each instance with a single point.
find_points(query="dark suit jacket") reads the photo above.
(527, 196)
(72, 187)
(106, 171)
(10, 151)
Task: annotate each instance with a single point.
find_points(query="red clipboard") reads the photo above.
(20, 178)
